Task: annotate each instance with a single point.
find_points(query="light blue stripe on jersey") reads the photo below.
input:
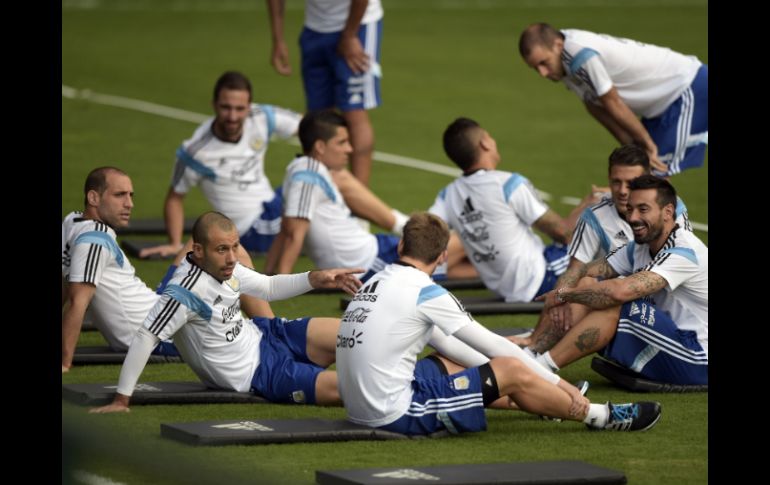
(680, 207)
(580, 59)
(190, 300)
(270, 113)
(102, 239)
(430, 292)
(315, 178)
(684, 252)
(590, 218)
(630, 252)
(442, 193)
(511, 184)
(194, 164)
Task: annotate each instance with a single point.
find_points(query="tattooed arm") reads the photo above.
(608, 293)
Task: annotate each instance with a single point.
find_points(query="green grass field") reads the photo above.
(441, 59)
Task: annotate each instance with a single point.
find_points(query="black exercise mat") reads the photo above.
(628, 379)
(104, 355)
(269, 431)
(151, 226)
(540, 473)
(172, 392)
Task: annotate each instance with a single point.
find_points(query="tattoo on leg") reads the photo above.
(587, 339)
(546, 340)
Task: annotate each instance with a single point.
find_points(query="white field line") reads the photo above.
(180, 114)
(92, 479)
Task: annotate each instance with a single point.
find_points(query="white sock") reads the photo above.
(598, 414)
(547, 361)
(401, 218)
(530, 352)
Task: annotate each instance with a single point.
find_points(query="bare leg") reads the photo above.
(362, 139)
(362, 201)
(326, 389)
(593, 333)
(322, 340)
(531, 392)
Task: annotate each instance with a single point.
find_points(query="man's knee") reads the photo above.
(512, 374)
(326, 389)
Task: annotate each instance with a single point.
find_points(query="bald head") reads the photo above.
(203, 225)
(539, 34)
(97, 181)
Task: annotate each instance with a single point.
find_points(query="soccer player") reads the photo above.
(96, 275)
(391, 319)
(281, 360)
(648, 309)
(317, 217)
(494, 212)
(601, 228)
(340, 46)
(620, 79)
(226, 158)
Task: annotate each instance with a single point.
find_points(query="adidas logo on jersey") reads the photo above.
(622, 236)
(406, 473)
(217, 299)
(469, 213)
(367, 293)
(634, 309)
(243, 426)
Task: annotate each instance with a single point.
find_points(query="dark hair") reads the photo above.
(461, 142)
(537, 34)
(630, 155)
(666, 194)
(232, 80)
(97, 180)
(200, 230)
(425, 237)
(319, 125)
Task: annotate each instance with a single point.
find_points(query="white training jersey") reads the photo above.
(385, 327)
(601, 229)
(493, 211)
(330, 15)
(90, 254)
(334, 238)
(232, 175)
(648, 77)
(684, 263)
(204, 317)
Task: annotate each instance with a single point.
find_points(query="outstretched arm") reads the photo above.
(136, 358)
(79, 297)
(280, 53)
(625, 125)
(173, 213)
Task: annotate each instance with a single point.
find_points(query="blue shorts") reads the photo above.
(328, 80)
(441, 402)
(556, 262)
(285, 373)
(681, 132)
(166, 348)
(262, 232)
(650, 343)
(387, 252)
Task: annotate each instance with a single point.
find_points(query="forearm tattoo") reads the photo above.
(593, 298)
(645, 283)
